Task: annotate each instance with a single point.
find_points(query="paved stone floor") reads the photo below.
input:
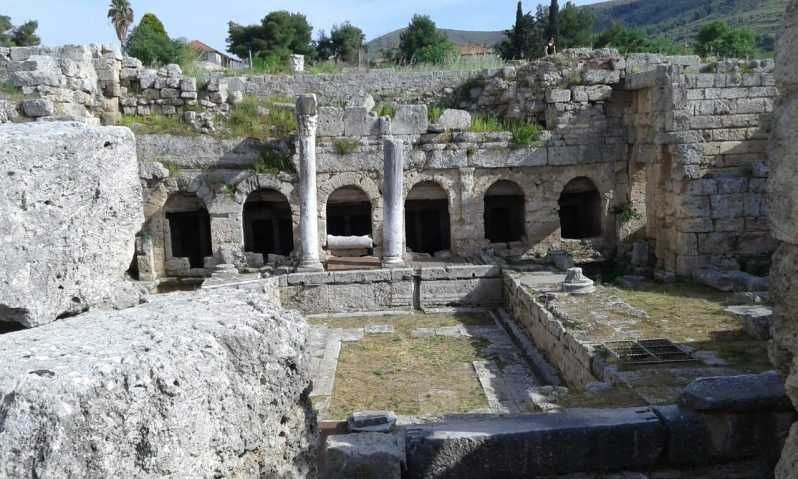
(507, 380)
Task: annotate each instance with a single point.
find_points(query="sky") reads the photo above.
(84, 21)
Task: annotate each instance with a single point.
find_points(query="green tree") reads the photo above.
(150, 43)
(576, 27)
(21, 36)
(719, 39)
(553, 30)
(325, 50)
(524, 39)
(631, 40)
(347, 40)
(279, 35)
(422, 42)
(121, 14)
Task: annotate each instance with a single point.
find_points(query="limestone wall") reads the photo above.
(392, 289)
(783, 213)
(698, 166)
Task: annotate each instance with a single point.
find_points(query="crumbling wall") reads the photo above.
(71, 205)
(190, 384)
(783, 213)
(698, 165)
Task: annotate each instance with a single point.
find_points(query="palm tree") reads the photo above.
(121, 14)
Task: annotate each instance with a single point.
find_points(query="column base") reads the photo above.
(395, 262)
(310, 266)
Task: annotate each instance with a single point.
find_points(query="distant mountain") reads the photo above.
(680, 20)
(461, 37)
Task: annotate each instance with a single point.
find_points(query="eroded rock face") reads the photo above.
(206, 384)
(783, 211)
(71, 206)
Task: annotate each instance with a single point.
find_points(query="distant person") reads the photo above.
(551, 48)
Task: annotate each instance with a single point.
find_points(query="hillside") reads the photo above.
(460, 37)
(680, 20)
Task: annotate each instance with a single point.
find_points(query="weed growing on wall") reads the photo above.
(524, 133)
(345, 146)
(434, 113)
(12, 92)
(384, 109)
(260, 118)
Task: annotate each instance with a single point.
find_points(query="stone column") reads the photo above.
(393, 188)
(307, 118)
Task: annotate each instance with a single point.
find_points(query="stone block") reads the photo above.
(727, 206)
(359, 122)
(410, 120)
(556, 95)
(745, 393)
(331, 121)
(575, 440)
(458, 120)
(36, 108)
(757, 320)
(170, 93)
(363, 455)
(599, 93)
(371, 421)
(188, 84)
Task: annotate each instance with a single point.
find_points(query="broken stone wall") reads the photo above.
(699, 166)
(783, 215)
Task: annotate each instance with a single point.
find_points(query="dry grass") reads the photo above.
(411, 376)
(682, 312)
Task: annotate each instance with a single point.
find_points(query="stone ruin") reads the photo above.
(657, 163)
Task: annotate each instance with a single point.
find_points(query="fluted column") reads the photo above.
(307, 119)
(393, 188)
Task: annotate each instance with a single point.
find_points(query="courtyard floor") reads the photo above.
(418, 365)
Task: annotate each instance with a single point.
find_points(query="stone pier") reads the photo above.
(393, 233)
(307, 119)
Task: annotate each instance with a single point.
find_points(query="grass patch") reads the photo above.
(524, 133)
(258, 118)
(415, 376)
(345, 146)
(11, 92)
(486, 124)
(158, 125)
(324, 68)
(434, 113)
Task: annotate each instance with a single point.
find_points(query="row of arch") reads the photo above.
(268, 220)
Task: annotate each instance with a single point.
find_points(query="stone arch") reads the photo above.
(580, 209)
(268, 223)
(187, 231)
(255, 183)
(428, 215)
(355, 180)
(504, 212)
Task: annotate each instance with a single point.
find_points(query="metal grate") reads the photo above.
(648, 351)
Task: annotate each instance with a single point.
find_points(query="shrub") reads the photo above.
(10, 91)
(272, 161)
(384, 109)
(345, 146)
(525, 133)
